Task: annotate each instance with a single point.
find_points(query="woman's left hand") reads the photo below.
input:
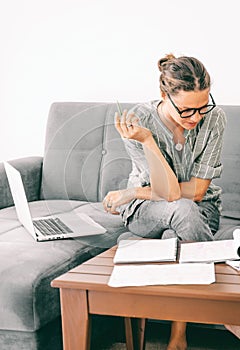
(116, 198)
(128, 127)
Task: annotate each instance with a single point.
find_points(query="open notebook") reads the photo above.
(211, 251)
(146, 250)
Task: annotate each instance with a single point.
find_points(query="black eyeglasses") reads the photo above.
(187, 113)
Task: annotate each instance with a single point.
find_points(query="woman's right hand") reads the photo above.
(128, 127)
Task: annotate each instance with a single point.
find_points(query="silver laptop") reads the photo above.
(65, 225)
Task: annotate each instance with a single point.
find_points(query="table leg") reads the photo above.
(75, 319)
(135, 333)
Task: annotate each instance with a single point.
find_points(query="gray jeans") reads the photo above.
(183, 219)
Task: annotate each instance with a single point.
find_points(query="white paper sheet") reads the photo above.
(154, 274)
(235, 264)
(236, 237)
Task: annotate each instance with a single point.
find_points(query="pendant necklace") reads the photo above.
(178, 146)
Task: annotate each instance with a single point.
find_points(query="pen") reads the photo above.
(119, 108)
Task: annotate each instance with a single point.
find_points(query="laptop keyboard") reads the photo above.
(51, 226)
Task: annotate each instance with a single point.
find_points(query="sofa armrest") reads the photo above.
(31, 171)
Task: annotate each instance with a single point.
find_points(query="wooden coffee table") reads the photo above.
(84, 291)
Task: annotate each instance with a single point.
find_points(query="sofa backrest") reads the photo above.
(85, 156)
(230, 178)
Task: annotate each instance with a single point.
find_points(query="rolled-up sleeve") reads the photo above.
(208, 164)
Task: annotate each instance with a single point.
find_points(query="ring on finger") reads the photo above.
(109, 205)
(129, 125)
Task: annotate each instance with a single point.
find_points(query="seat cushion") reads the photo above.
(27, 301)
(227, 226)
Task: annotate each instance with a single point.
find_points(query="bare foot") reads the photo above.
(178, 336)
(180, 345)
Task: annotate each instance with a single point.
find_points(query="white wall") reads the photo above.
(103, 50)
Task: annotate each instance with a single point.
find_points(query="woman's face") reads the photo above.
(185, 100)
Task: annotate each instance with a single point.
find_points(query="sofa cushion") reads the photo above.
(27, 301)
(231, 205)
(31, 172)
(227, 226)
(84, 155)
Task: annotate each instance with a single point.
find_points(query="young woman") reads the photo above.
(175, 146)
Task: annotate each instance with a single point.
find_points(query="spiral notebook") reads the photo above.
(146, 251)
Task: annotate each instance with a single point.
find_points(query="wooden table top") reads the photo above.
(94, 274)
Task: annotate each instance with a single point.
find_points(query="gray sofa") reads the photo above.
(84, 158)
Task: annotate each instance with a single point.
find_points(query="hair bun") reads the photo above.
(162, 62)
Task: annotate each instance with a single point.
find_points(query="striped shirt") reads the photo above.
(200, 156)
